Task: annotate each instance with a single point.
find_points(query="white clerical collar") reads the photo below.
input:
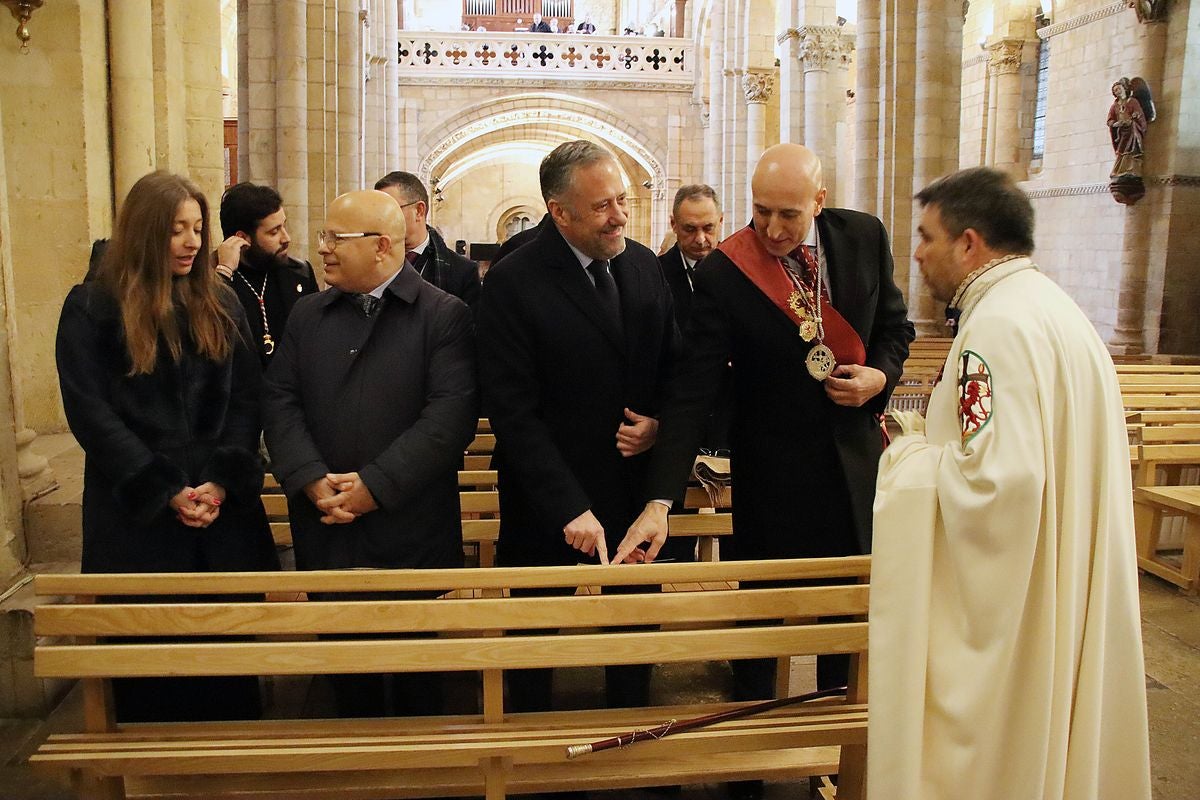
(379, 290)
(688, 263)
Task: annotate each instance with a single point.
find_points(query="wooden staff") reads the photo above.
(674, 726)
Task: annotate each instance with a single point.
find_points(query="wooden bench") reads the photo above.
(480, 631)
(1151, 503)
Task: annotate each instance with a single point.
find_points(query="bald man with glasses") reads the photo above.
(369, 403)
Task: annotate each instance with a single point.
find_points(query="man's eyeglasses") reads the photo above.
(329, 239)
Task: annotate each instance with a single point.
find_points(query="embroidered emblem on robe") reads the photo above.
(974, 394)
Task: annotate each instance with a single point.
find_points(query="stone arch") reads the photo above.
(563, 116)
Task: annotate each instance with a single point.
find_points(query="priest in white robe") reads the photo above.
(1006, 653)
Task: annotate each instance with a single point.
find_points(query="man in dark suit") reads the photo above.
(424, 247)
(575, 338)
(521, 237)
(539, 25)
(696, 219)
(369, 404)
(805, 441)
(254, 259)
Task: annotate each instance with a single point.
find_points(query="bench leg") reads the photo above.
(1191, 554)
(1147, 519)
(495, 777)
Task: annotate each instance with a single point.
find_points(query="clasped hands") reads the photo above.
(199, 506)
(341, 497)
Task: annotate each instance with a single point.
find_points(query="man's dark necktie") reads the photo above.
(606, 290)
(367, 302)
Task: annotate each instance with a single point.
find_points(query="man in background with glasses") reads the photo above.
(424, 248)
(369, 403)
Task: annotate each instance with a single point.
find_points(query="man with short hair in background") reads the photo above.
(254, 259)
(424, 247)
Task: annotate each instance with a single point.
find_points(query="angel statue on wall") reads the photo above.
(1131, 111)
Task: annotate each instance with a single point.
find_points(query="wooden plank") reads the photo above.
(1166, 369)
(478, 477)
(483, 443)
(1180, 498)
(631, 771)
(699, 524)
(469, 654)
(697, 497)
(1174, 401)
(479, 502)
(396, 616)
(275, 506)
(362, 580)
(286, 756)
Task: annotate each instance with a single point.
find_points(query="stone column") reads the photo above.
(714, 134)
(291, 113)
(733, 165)
(935, 138)
(349, 96)
(757, 85)
(791, 87)
(1143, 253)
(131, 64)
(1004, 101)
(679, 28)
(820, 47)
(866, 108)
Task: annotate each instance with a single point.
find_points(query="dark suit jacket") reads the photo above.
(286, 283)
(392, 397)
(681, 289)
(556, 376)
(803, 466)
(447, 270)
(523, 237)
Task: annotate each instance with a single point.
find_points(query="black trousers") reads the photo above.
(625, 685)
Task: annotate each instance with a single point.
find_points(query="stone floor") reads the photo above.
(1171, 628)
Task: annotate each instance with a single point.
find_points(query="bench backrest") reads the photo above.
(478, 627)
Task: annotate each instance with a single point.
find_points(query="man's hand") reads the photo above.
(229, 255)
(637, 435)
(852, 385)
(352, 494)
(322, 493)
(586, 534)
(650, 526)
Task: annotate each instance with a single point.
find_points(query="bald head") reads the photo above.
(361, 263)
(789, 193)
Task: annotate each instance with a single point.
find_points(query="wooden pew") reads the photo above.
(481, 632)
(1163, 452)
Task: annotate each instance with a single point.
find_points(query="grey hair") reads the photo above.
(558, 167)
(694, 191)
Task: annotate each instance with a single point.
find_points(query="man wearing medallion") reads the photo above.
(805, 435)
(1006, 655)
(254, 259)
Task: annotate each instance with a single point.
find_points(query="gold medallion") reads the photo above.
(796, 303)
(268, 344)
(820, 362)
(808, 330)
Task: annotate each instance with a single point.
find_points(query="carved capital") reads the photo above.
(790, 33)
(758, 86)
(1004, 56)
(822, 46)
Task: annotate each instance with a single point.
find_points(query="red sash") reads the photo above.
(767, 273)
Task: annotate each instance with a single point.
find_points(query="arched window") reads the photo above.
(1039, 108)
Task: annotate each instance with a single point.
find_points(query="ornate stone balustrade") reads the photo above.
(629, 61)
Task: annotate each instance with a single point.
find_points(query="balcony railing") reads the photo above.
(656, 60)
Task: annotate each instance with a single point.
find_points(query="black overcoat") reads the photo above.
(285, 284)
(447, 270)
(393, 398)
(803, 467)
(556, 375)
(145, 437)
(681, 288)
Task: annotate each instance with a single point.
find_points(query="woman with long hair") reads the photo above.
(161, 389)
